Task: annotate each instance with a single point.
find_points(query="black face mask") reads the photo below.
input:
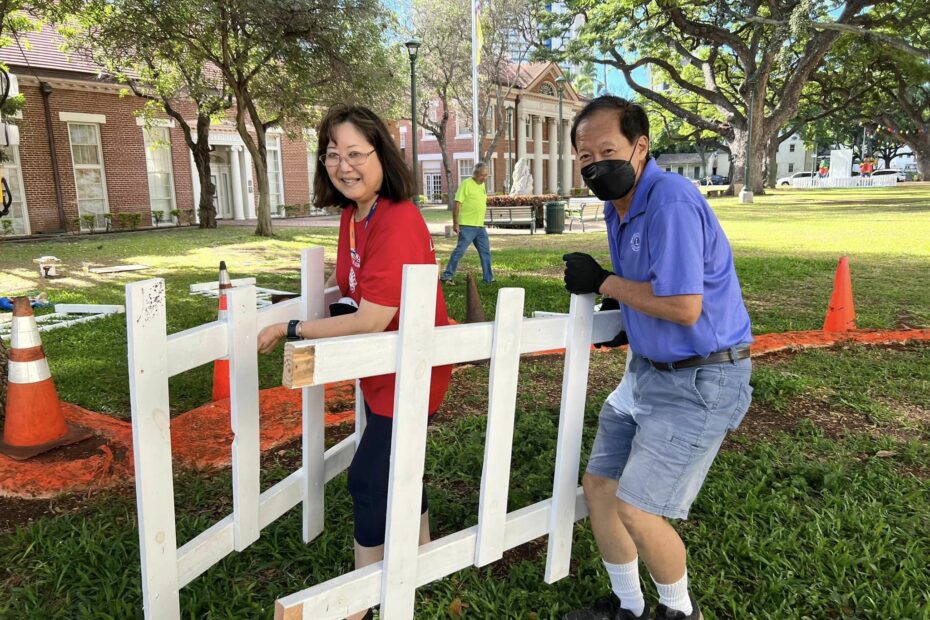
(610, 179)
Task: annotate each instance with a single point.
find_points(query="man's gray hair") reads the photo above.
(478, 168)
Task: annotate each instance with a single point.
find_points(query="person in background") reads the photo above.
(687, 380)
(471, 202)
(381, 230)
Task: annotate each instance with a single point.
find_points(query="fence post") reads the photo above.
(244, 414)
(408, 443)
(312, 284)
(571, 423)
(498, 446)
(151, 439)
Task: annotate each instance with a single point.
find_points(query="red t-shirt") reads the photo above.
(393, 236)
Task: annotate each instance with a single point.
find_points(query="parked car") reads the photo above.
(884, 172)
(786, 181)
(715, 179)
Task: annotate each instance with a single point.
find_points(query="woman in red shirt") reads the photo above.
(381, 230)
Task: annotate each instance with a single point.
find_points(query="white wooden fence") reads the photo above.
(887, 180)
(410, 352)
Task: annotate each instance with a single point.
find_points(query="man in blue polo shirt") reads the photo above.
(687, 382)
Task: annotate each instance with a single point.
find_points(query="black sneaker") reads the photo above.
(664, 613)
(607, 608)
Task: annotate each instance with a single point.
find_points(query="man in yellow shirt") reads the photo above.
(471, 201)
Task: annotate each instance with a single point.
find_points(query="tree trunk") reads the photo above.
(447, 170)
(756, 159)
(264, 196)
(771, 169)
(259, 153)
(920, 147)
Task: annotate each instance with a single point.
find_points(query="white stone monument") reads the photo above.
(522, 183)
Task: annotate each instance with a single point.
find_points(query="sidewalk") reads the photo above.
(436, 229)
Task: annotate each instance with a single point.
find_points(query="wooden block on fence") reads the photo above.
(502, 400)
(568, 447)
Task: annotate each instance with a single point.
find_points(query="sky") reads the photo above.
(616, 85)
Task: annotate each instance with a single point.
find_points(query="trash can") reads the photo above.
(555, 217)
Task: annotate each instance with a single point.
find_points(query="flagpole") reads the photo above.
(475, 56)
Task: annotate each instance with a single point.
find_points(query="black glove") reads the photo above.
(583, 274)
(609, 303)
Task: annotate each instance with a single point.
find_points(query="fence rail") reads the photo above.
(889, 180)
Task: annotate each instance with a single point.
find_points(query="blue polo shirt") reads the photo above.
(671, 238)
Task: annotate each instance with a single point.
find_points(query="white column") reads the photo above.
(248, 195)
(537, 156)
(236, 171)
(195, 186)
(567, 181)
(553, 155)
(521, 137)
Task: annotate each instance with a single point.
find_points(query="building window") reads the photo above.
(528, 132)
(461, 124)
(791, 148)
(697, 172)
(13, 174)
(790, 167)
(403, 138)
(489, 122)
(465, 169)
(161, 174)
(681, 170)
(489, 182)
(547, 89)
(275, 182)
(432, 186)
(89, 177)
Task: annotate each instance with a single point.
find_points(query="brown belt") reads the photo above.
(727, 355)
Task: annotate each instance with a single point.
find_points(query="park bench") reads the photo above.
(582, 209)
(505, 217)
(713, 190)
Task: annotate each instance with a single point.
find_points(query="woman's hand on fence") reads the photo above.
(269, 337)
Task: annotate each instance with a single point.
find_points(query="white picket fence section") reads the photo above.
(411, 352)
(888, 180)
(66, 315)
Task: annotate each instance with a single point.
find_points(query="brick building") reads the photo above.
(531, 132)
(105, 161)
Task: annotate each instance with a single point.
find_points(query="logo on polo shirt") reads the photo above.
(635, 242)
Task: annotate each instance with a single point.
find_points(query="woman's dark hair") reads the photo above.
(398, 181)
(633, 120)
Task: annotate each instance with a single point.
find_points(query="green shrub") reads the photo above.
(89, 221)
(176, 214)
(158, 216)
(521, 201)
(7, 227)
(189, 214)
(123, 219)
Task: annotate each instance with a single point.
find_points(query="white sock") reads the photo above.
(675, 595)
(624, 579)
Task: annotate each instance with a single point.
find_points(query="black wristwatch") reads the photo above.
(292, 330)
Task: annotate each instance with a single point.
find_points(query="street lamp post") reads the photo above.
(413, 46)
(560, 81)
(509, 148)
(745, 195)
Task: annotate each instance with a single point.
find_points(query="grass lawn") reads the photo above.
(818, 507)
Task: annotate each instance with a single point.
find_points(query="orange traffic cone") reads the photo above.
(34, 421)
(841, 315)
(221, 366)
(474, 312)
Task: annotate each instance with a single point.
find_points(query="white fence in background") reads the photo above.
(66, 315)
(885, 180)
(410, 352)
(212, 289)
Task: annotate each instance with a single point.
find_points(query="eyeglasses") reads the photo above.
(355, 158)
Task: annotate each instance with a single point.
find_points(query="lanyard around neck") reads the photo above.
(356, 260)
